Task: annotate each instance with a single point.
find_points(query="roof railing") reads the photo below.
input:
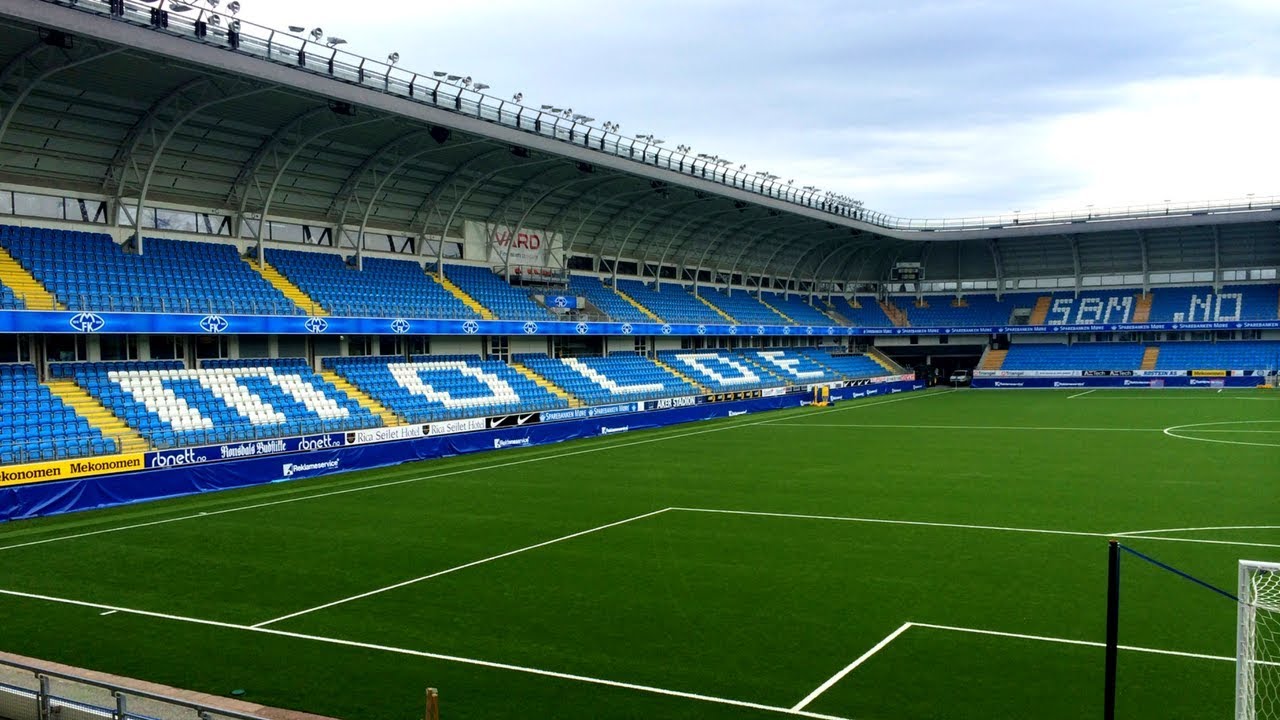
(323, 56)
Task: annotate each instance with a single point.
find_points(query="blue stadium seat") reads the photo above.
(490, 290)
(1225, 355)
(672, 302)
(36, 426)
(384, 288)
(598, 293)
(621, 377)
(743, 307)
(796, 308)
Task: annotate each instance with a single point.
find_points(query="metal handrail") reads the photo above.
(318, 58)
(120, 692)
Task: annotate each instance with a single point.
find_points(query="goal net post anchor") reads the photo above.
(1258, 641)
(433, 704)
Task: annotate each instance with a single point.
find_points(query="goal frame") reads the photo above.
(1246, 638)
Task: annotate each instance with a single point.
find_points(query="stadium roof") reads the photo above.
(259, 122)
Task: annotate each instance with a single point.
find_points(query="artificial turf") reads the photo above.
(756, 608)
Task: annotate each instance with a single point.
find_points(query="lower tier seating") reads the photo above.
(225, 401)
(432, 389)
(721, 371)
(1240, 355)
(850, 366)
(621, 377)
(1225, 355)
(36, 426)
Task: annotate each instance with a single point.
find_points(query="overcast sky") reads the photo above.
(919, 108)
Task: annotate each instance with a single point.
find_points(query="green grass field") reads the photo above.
(726, 569)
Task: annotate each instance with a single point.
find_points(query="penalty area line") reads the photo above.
(1082, 394)
(431, 656)
(1069, 641)
(851, 667)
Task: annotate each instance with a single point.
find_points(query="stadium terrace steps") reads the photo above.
(721, 313)
(287, 288)
(682, 376)
(896, 315)
(1142, 308)
(461, 294)
(1150, 356)
(25, 286)
(647, 312)
(88, 407)
(830, 311)
(992, 359)
(362, 399)
(883, 360)
(1040, 313)
(547, 384)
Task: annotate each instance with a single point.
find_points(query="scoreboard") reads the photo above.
(908, 272)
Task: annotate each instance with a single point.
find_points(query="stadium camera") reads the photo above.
(234, 7)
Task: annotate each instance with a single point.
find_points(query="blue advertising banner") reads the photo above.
(59, 322)
(1066, 383)
(238, 450)
(172, 478)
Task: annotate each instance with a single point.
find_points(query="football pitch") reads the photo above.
(926, 555)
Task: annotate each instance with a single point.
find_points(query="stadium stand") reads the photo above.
(384, 288)
(491, 291)
(433, 388)
(1203, 304)
(849, 366)
(796, 309)
(792, 366)
(743, 307)
(9, 301)
(36, 426)
(671, 302)
(225, 401)
(719, 371)
(1083, 356)
(620, 377)
(869, 315)
(88, 271)
(977, 310)
(603, 297)
(1234, 355)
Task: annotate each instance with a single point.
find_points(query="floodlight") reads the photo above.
(179, 7)
(296, 28)
(234, 6)
(317, 34)
(332, 41)
(393, 58)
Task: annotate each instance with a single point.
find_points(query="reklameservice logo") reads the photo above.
(1058, 384)
(1009, 384)
(499, 443)
(614, 431)
(290, 469)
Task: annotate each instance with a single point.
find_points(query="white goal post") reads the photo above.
(1258, 642)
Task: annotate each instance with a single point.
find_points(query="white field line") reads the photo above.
(850, 667)
(1086, 643)
(845, 408)
(471, 564)
(962, 526)
(966, 427)
(1196, 529)
(432, 476)
(431, 656)
(1082, 394)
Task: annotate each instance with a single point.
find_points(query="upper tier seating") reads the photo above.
(226, 401)
(795, 307)
(1082, 356)
(869, 315)
(429, 389)
(720, 371)
(850, 366)
(490, 290)
(1225, 355)
(384, 288)
(672, 302)
(87, 271)
(742, 307)
(621, 377)
(1202, 304)
(603, 297)
(9, 301)
(980, 310)
(35, 425)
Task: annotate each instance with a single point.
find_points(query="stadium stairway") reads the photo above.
(992, 359)
(682, 376)
(1142, 308)
(647, 312)
(362, 399)
(461, 294)
(33, 295)
(830, 311)
(1150, 356)
(727, 317)
(547, 384)
(287, 288)
(883, 361)
(88, 407)
(896, 315)
(1040, 312)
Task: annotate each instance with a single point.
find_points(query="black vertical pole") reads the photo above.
(1113, 629)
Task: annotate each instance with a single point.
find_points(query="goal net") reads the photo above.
(1258, 642)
